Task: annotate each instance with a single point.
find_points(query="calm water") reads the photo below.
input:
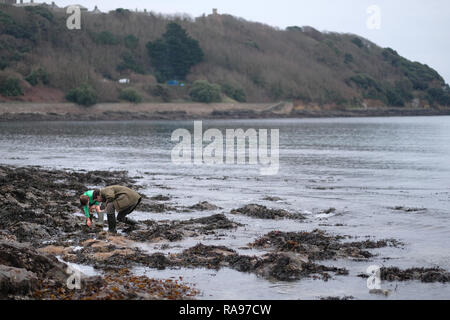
(362, 167)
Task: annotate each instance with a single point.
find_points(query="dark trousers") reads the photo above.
(111, 214)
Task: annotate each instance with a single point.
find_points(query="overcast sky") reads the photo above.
(417, 29)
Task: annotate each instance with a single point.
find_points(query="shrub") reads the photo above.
(358, 42)
(348, 58)
(106, 38)
(42, 11)
(84, 95)
(162, 92)
(366, 82)
(294, 28)
(37, 75)
(420, 75)
(131, 42)
(129, 63)
(9, 26)
(404, 89)
(131, 95)
(10, 87)
(439, 95)
(203, 91)
(393, 98)
(121, 12)
(233, 92)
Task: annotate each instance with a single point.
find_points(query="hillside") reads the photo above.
(42, 60)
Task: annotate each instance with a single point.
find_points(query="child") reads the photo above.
(90, 204)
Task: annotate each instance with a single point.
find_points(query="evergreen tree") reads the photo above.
(174, 54)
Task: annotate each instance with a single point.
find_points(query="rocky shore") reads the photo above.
(43, 233)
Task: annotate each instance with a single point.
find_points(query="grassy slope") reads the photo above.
(269, 64)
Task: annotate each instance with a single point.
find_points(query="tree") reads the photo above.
(174, 54)
(203, 91)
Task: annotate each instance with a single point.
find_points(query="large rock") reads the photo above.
(23, 256)
(16, 281)
(262, 212)
(27, 231)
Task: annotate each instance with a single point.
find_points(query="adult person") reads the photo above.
(120, 199)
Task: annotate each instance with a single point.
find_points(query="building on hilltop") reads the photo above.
(82, 8)
(96, 10)
(21, 3)
(8, 1)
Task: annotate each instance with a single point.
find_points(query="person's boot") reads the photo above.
(101, 220)
(122, 218)
(112, 223)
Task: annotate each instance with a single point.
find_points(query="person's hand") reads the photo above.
(89, 222)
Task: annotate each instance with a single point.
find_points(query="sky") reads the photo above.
(417, 29)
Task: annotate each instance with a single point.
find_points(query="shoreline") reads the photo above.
(195, 111)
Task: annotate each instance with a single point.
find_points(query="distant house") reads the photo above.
(22, 4)
(8, 1)
(96, 11)
(124, 81)
(82, 8)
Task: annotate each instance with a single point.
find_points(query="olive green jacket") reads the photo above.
(121, 197)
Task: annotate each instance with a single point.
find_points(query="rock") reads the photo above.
(214, 222)
(408, 209)
(204, 206)
(16, 281)
(157, 232)
(262, 212)
(160, 197)
(177, 230)
(155, 207)
(56, 250)
(318, 245)
(5, 235)
(32, 232)
(338, 298)
(23, 256)
(328, 211)
(102, 256)
(279, 266)
(380, 292)
(274, 199)
(422, 274)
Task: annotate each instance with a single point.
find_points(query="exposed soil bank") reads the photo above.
(189, 111)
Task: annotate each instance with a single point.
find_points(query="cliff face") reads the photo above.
(264, 63)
